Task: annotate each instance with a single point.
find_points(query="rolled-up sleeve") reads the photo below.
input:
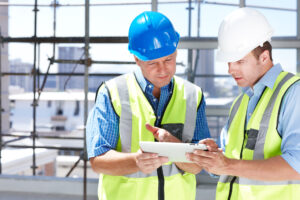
(289, 127)
(201, 130)
(102, 127)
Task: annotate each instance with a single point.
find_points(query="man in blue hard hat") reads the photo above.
(147, 105)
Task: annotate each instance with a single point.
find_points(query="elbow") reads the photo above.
(95, 167)
(196, 171)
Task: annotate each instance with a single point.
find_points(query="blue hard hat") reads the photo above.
(151, 36)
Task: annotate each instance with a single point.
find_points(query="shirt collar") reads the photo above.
(268, 80)
(145, 83)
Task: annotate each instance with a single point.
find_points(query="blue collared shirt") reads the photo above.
(102, 128)
(288, 122)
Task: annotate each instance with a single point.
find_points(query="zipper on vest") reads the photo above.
(160, 173)
(234, 178)
(231, 185)
(161, 183)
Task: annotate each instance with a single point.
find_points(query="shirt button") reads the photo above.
(149, 86)
(154, 100)
(158, 117)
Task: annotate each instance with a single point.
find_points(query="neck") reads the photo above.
(267, 67)
(156, 92)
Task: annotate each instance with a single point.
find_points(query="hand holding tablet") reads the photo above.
(174, 151)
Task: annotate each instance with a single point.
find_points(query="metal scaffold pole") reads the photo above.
(86, 88)
(1, 105)
(190, 51)
(34, 103)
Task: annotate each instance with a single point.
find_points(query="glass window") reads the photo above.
(287, 58)
(114, 20)
(278, 20)
(285, 4)
(20, 25)
(211, 16)
(21, 51)
(44, 21)
(69, 23)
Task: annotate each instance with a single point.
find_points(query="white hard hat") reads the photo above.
(240, 32)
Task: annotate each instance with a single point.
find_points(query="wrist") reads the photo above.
(230, 166)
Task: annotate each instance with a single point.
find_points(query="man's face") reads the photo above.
(247, 71)
(159, 71)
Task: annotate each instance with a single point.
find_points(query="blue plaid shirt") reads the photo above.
(102, 126)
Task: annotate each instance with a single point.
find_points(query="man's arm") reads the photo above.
(273, 169)
(119, 163)
(114, 163)
(102, 137)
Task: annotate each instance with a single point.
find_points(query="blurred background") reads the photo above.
(55, 54)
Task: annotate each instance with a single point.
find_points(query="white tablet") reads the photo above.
(174, 151)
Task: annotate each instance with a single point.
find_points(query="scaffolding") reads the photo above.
(188, 42)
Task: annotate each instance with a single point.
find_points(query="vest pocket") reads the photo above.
(175, 129)
(252, 137)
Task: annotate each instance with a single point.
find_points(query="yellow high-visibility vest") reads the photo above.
(134, 111)
(259, 140)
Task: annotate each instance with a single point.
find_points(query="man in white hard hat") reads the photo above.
(153, 95)
(262, 137)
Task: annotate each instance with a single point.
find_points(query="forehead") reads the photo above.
(173, 55)
(249, 56)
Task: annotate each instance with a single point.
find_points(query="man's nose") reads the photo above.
(161, 66)
(232, 67)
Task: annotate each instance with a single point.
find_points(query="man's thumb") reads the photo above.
(152, 129)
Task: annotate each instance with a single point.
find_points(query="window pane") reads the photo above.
(178, 16)
(45, 22)
(210, 18)
(69, 23)
(20, 25)
(287, 58)
(113, 20)
(23, 51)
(288, 4)
(278, 20)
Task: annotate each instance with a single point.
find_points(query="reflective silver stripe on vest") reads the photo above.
(168, 170)
(264, 124)
(125, 127)
(225, 179)
(245, 181)
(190, 92)
(234, 110)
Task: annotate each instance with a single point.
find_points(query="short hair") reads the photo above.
(258, 50)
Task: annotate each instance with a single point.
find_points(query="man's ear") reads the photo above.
(264, 56)
(136, 60)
